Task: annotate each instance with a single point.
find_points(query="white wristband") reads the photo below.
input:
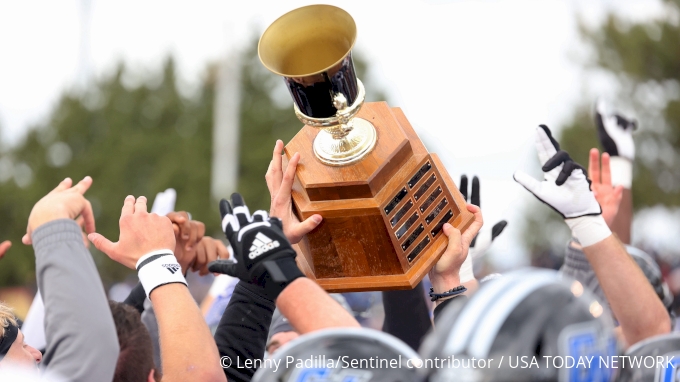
(466, 273)
(589, 230)
(622, 172)
(159, 268)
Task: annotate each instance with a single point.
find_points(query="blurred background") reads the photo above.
(147, 95)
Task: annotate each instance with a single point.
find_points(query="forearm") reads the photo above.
(632, 299)
(309, 308)
(188, 351)
(76, 308)
(243, 329)
(406, 315)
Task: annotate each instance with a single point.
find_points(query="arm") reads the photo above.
(631, 297)
(309, 308)
(567, 190)
(242, 332)
(146, 243)
(76, 308)
(406, 315)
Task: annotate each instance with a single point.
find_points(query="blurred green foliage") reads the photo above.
(644, 59)
(141, 140)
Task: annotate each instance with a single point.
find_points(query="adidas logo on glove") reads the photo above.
(172, 267)
(262, 244)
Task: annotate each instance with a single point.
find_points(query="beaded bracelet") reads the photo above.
(453, 292)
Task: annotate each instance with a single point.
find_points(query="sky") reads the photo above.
(474, 77)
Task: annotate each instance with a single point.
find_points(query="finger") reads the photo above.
(277, 158)
(200, 259)
(4, 247)
(140, 205)
(454, 236)
(128, 206)
(209, 255)
(606, 170)
(26, 239)
(201, 230)
(241, 211)
(464, 186)
(288, 179)
(532, 185)
(193, 237)
(594, 165)
(260, 216)
(103, 244)
(88, 217)
(175, 230)
(184, 225)
(222, 251)
(475, 198)
(268, 179)
(229, 223)
(546, 145)
(476, 225)
(306, 226)
(83, 185)
(226, 267)
(63, 185)
(556, 160)
(498, 229)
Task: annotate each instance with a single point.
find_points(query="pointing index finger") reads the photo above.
(128, 206)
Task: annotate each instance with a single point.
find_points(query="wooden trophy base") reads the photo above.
(382, 216)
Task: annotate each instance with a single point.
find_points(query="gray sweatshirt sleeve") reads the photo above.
(82, 344)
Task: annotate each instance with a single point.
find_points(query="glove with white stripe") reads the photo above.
(481, 243)
(616, 136)
(566, 189)
(263, 255)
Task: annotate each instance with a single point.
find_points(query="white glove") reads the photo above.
(164, 202)
(566, 189)
(616, 137)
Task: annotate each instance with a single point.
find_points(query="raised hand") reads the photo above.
(445, 274)
(565, 189)
(608, 196)
(140, 233)
(615, 132)
(64, 202)
(280, 185)
(4, 247)
(263, 254)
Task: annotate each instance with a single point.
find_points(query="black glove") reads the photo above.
(263, 255)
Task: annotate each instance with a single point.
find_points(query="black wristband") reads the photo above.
(453, 292)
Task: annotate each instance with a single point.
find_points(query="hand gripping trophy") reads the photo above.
(383, 197)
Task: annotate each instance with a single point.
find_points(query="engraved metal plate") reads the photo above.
(407, 224)
(393, 203)
(423, 170)
(419, 248)
(424, 187)
(401, 213)
(430, 199)
(412, 237)
(441, 223)
(429, 218)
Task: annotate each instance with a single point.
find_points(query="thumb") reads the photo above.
(307, 226)
(225, 267)
(531, 184)
(101, 243)
(26, 239)
(454, 236)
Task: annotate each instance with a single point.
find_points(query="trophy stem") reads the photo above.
(351, 148)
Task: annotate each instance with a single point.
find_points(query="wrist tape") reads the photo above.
(466, 273)
(589, 230)
(159, 268)
(622, 172)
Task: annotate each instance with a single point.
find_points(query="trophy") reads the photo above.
(384, 199)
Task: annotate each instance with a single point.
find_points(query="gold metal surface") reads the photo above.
(349, 149)
(307, 41)
(343, 139)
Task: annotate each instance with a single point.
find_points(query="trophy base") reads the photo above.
(349, 149)
(383, 216)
